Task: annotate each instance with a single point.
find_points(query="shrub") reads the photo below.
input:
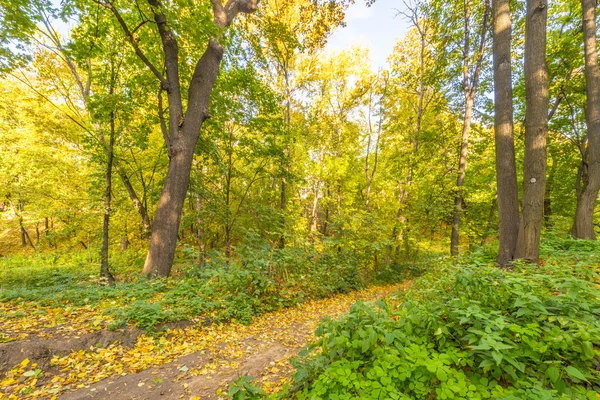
(467, 331)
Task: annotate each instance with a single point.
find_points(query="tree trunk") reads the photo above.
(460, 181)
(548, 197)
(104, 268)
(586, 201)
(139, 206)
(125, 238)
(200, 233)
(536, 131)
(506, 169)
(313, 212)
(181, 153)
(23, 235)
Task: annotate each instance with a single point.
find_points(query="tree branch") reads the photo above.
(131, 39)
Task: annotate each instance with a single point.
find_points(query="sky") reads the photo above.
(376, 27)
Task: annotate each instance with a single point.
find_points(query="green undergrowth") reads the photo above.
(467, 329)
(259, 279)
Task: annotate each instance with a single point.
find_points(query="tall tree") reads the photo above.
(536, 131)
(506, 169)
(583, 227)
(182, 131)
(471, 67)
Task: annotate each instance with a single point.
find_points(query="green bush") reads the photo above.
(467, 331)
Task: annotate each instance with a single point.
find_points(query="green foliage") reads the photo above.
(243, 389)
(469, 330)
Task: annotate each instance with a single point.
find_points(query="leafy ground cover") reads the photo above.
(56, 290)
(466, 330)
(201, 359)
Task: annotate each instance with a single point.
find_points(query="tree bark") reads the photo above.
(184, 131)
(536, 131)
(506, 168)
(583, 227)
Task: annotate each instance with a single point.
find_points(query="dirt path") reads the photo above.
(195, 362)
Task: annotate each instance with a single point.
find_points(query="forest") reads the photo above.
(206, 200)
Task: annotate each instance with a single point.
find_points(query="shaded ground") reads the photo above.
(192, 362)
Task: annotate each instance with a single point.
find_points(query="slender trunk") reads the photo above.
(282, 208)
(37, 233)
(125, 238)
(470, 85)
(506, 169)
(313, 212)
(462, 171)
(536, 131)
(326, 217)
(286, 161)
(200, 234)
(586, 201)
(228, 218)
(23, 233)
(547, 197)
(137, 203)
(104, 268)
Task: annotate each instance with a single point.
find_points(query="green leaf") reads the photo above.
(575, 373)
(441, 375)
(588, 349)
(553, 373)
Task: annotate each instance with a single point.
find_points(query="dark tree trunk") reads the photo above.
(536, 131)
(104, 267)
(583, 227)
(506, 169)
(23, 234)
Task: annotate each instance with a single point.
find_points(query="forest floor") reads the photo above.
(67, 354)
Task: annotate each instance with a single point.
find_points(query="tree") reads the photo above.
(182, 130)
(471, 71)
(536, 131)
(583, 228)
(506, 169)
